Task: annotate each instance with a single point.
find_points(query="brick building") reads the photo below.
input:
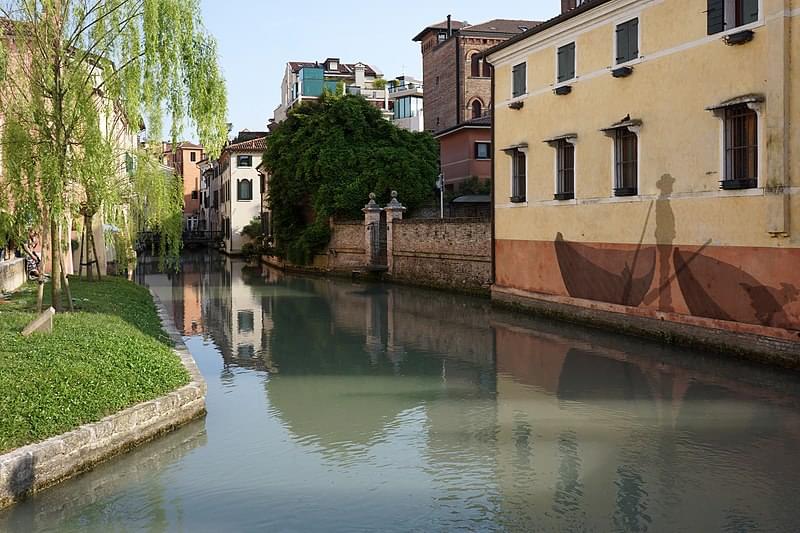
(183, 158)
(458, 85)
(458, 92)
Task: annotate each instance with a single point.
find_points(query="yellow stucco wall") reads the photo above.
(681, 71)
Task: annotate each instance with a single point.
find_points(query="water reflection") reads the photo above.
(336, 406)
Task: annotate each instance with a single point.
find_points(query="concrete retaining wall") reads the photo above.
(12, 275)
(35, 467)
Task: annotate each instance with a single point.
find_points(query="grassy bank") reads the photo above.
(109, 355)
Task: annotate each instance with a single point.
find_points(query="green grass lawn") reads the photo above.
(108, 355)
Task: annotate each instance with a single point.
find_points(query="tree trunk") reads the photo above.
(55, 266)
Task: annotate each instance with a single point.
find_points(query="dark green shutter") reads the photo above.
(628, 41)
(716, 16)
(566, 62)
(519, 75)
(749, 11)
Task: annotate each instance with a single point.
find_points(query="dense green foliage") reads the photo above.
(327, 157)
(78, 78)
(109, 355)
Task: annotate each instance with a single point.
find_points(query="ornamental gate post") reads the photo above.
(394, 211)
(372, 222)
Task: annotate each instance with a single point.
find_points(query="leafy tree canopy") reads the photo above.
(326, 158)
(78, 78)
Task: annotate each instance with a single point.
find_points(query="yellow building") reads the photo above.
(647, 160)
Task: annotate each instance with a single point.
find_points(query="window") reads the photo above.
(728, 14)
(244, 161)
(477, 109)
(245, 321)
(518, 176)
(565, 170)
(216, 200)
(566, 62)
(626, 162)
(627, 41)
(519, 81)
(442, 36)
(483, 150)
(487, 70)
(245, 351)
(475, 70)
(244, 190)
(193, 156)
(741, 148)
(194, 195)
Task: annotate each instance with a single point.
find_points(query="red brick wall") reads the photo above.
(439, 63)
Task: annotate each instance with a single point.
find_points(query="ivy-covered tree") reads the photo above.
(326, 158)
(67, 69)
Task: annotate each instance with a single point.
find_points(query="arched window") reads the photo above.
(244, 190)
(477, 109)
(487, 70)
(476, 65)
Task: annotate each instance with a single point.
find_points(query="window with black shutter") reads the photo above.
(519, 176)
(627, 41)
(565, 169)
(244, 190)
(566, 62)
(626, 162)
(519, 75)
(728, 14)
(741, 148)
(483, 150)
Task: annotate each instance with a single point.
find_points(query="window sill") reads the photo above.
(518, 199)
(626, 191)
(739, 37)
(562, 196)
(739, 184)
(622, 72)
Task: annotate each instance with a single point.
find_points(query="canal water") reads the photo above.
(339, 406)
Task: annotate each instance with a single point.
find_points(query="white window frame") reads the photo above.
(612, 134)
(758, 107)
(511, 89)
(617, 22)
(574, 142)
(525, 150)
(556, 83)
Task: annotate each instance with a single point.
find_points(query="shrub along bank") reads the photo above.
(110, 354)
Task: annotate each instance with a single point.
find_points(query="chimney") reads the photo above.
(361, 75)
(450, 25)
(568, 5)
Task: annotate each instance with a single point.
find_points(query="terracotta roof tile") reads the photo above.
(252, 145)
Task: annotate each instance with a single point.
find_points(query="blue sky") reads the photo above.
(257, 37)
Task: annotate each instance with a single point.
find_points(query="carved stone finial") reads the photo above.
(394, 203)
(372, 205)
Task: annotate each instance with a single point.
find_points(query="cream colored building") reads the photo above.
(240, 190)
(646, 163)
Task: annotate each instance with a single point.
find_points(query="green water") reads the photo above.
(336, 406)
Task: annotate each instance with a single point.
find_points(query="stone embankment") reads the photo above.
(35, 467)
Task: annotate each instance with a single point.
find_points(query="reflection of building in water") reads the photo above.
(593, 435)
(237, 314)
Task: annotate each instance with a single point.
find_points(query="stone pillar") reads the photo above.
(394, 211)
(372, 218)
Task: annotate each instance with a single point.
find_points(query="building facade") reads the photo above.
(184, 158)
(406, 98)
(646, 167)
(458, 81)
(466, 153)
(306, 81)
(239, 187)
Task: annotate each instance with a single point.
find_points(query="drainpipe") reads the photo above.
(492, 181)
(778, 128)
(458, 79)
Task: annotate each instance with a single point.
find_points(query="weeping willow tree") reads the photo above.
(78, 79)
